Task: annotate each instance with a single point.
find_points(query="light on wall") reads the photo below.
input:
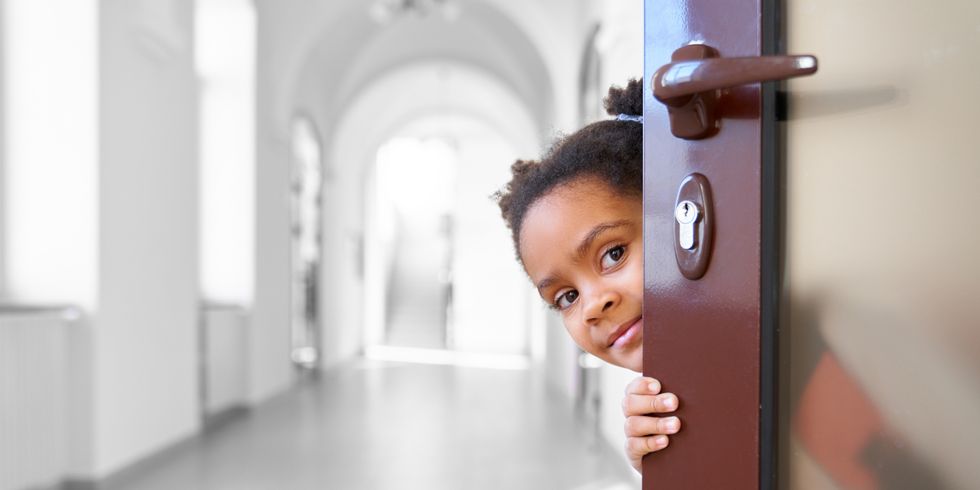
(418, 175)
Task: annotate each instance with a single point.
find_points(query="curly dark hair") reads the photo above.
(610, 150)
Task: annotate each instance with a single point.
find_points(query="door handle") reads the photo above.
(689, 86)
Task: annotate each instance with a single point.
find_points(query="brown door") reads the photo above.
(706, 336)
(846, 226)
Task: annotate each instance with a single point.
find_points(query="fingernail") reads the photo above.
(654, 387)
(670, 403)
(673, 424)
(661, 440)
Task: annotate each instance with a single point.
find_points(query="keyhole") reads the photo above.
(686, 214)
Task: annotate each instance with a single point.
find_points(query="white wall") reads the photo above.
(270, 341)
(3, 155)
(562, 357)
(102, 198)
(379, 236)
(490, 290)
(620, 46)
(556, 28)
(226, 378)
(145, 339)
(342, 274)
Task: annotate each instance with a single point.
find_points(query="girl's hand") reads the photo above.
(646, 434)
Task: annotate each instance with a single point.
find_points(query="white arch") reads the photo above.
(316, 59)
(352, 50)
(439, 90)
(374, 115)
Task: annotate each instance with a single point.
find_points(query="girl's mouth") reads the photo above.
(626, 332)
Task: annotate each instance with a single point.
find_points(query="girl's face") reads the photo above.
(582, 246)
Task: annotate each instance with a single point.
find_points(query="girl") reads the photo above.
(576, 218)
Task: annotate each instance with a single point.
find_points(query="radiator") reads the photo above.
(224, 354)
(33, 393)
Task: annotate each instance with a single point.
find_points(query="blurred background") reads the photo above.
(251, 244)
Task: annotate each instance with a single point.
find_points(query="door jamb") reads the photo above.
(772, 152)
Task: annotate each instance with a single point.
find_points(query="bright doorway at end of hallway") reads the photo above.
(442, 282)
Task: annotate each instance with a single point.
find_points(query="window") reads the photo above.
(225, 59)
(50, 104)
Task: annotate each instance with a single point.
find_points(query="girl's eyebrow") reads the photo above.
(586, 243)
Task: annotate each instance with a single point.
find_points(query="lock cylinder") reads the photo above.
(693, 226)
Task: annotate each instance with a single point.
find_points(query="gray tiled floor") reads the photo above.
(375, 425)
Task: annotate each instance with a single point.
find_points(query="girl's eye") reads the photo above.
(613, 256)
(565, 299)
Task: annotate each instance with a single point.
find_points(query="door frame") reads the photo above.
(771, 246)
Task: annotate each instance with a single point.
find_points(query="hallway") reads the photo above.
(203, 199)
(381, 425)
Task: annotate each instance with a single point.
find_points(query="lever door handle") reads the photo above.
(689, 85)
(674, 82)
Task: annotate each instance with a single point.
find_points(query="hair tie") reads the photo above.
(628, 117)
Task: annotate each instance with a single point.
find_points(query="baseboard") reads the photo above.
(216, 421)
(118, 478)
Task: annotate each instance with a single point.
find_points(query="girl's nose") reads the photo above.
(599, 304)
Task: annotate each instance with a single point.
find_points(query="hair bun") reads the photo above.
(627, 100)
(521, 170)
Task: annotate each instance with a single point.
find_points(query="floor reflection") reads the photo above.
(381, 425)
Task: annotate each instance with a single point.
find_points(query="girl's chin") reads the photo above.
(636, 364)
(632, 360)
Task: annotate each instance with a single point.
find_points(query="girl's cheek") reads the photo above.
(636, 274)
(576, 332)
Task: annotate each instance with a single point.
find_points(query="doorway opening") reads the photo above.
(416, 182)
(306, 196)
(443, 286)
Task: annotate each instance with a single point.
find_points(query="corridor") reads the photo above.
(251, 244)
(385, 425)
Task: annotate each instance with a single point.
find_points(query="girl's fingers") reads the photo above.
(645, 404)
(637, 447)
(642, 426)
(645, 434)
(643, 386)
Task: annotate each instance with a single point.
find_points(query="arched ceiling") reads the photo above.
(353, 50)
(370, 118)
